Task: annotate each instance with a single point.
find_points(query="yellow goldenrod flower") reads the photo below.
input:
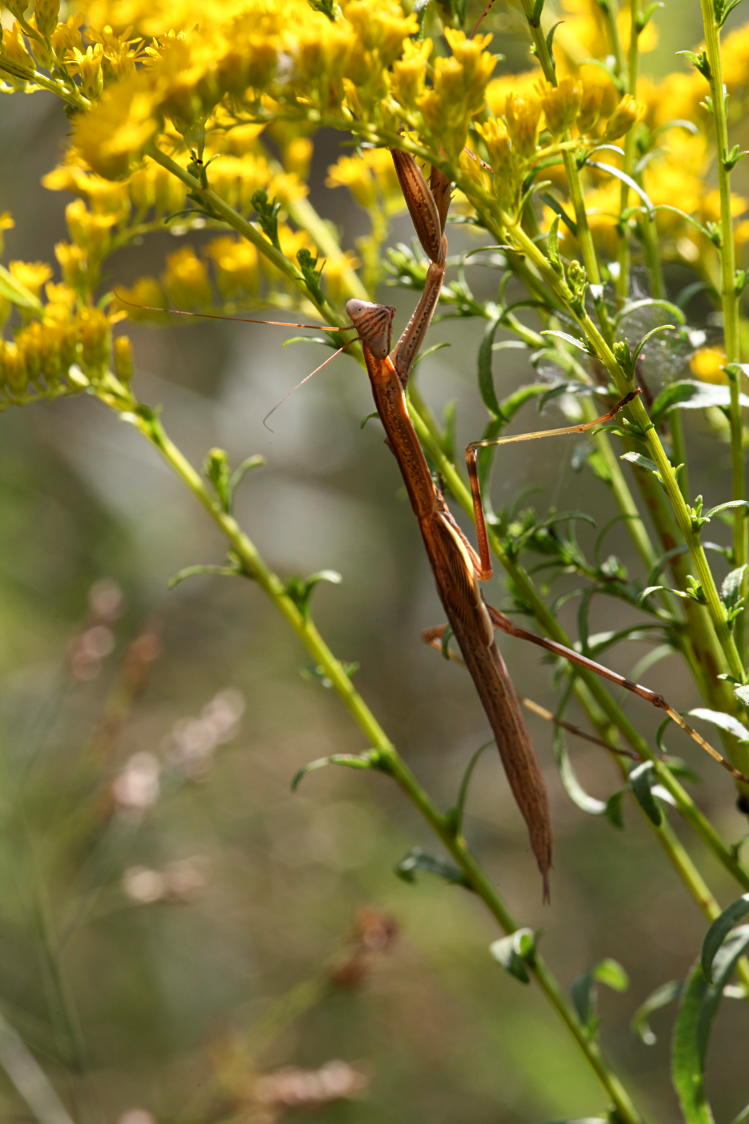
(73, 265)
(561, 105)
(122, 358)
(6, 223)
(627, 113)
(708, 364)
(409, 72)
(31, 274)
(237, 268)
(185, 280)
(112, 137)
(370, 177)
(522, 117)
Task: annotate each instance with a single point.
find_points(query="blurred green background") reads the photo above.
(174, 921)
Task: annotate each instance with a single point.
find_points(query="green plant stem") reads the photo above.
(624, 254)
(254, 567)
(729, 292)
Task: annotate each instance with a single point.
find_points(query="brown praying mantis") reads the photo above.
(457, 567)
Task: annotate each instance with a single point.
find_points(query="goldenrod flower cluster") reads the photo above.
(204, 116)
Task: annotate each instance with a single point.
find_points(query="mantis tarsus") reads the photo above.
(457, 567)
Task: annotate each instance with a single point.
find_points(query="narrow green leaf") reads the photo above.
(515, 953)
(730, 590)
(459, 810)
(723, 721)
(639, 781)
(583, 800)
(633, 185)
(661, 997)
(207, 568)
(567, 338)
(369, 760)
(743, 1117)
(698, 1008)
(648, 336)
(719, 930)
(641, 462)
(583, 991)
(239, 473)
(418, 860)
(727, 506)
(651, 302)
(691, 394)
(486, 381)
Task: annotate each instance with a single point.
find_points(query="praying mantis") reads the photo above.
(457, 567)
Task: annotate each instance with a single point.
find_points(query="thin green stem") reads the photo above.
(729, 291)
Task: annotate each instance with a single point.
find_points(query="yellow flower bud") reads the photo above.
(123, 358)
(73, 265)
(186, 281)
(13, 374)
(627, 113)
(561, 104)
(708, 364)
(522, 117)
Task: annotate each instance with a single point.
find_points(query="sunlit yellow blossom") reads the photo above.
(503, 160)
(734, 55)
(67, 36)
(112, 137)
(599, 98)
(524, 85)
(297, 155)
(457, 93)
(142, 301)
(87, 229)
(88, 66)
(73, 264)
(561, 105)
(676, 97)
(6, 223)
(237, 269)
(186, 281)
(627, 113)
(60, 299)
(409, 72)
(522, 117)
(122, 358)
(31, 274)
(152, 187)
(707, 364)
(369, 176)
